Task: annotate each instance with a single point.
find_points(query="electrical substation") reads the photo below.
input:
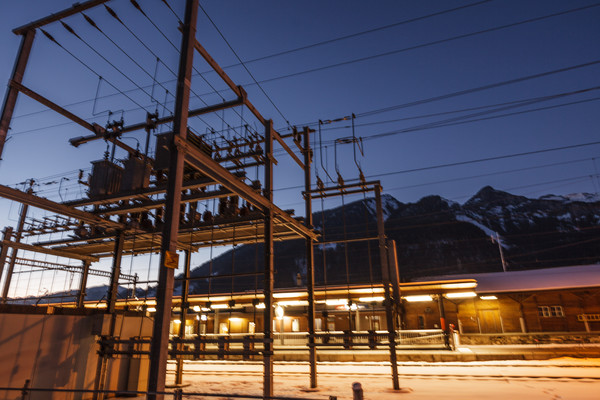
(186, 186)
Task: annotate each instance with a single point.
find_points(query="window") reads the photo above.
(550, 311)
(557, 311)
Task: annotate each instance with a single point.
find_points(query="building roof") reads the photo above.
(580, 276)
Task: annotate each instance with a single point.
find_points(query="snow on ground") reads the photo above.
(566, 378)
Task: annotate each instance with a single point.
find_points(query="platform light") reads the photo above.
(205, 309)
(293, 303)
(371, 299)
(151, 309)
(196, 308)
(366, 290)
(460, 295)
(288, 295)
(260, 305)
(424, 297)
(218, 306)
(462, 285)
(336, 302)
(490, 297)
(177, 321)
(203, 317)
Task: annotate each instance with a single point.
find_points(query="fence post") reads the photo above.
(24, 391)
(357, 391)
(178, 394)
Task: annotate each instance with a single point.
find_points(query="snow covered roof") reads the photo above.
(580, 276)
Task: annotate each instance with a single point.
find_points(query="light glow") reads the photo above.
(491, 297)
(464, 285)
(289, 295)
(151, 309)
(460, 295)
(336, 302)
(366, 290)
(196, 308)
(293, 303)
(412, 299)
(279, 312)
(203, 317)
(218, 306)
(371, 299)
(260, 305)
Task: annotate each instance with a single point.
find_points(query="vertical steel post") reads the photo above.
(443, 324)
(113, 288)
(164, 293)
(10, 100)
(83, 284)
(385, 274)
(395, 279)
(268, 290)
(13, 256)
(310, 262)
(4, 250)
(184, 311)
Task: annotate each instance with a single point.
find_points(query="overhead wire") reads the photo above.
(72, 31)
(244, 65)
(51, 38)
(361, 33)
(435, 42)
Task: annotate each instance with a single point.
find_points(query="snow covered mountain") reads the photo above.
(433, 236)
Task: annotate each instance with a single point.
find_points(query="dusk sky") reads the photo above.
(389, 78)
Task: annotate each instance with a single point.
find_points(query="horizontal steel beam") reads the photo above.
(238, 90)
(193, 184)
(99, 132)
(205, 164)
(76, 8)
(165, 120)
(132, 208)
(49, 205)
(51, 252)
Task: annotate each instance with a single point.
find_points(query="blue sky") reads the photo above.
(38, 145)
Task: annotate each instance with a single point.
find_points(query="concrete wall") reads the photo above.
(60, 351)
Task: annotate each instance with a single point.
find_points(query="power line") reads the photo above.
(446, 40)
(356, 34)
(480, 160)
(480, 88)
(242, 63)
(518, 103)
(457, 120)
(91, 69)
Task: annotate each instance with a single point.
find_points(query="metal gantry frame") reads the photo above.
(116, 236)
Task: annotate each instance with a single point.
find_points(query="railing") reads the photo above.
(249, 345)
